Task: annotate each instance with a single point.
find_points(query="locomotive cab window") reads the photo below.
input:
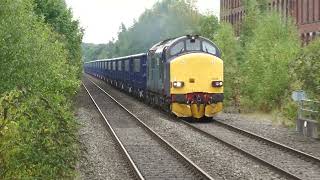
(178, 48)
(193, 45)
(209, 48)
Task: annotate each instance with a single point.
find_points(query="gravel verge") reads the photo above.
(215, 158)
(100, 156)
(266, 128)
(281, 158)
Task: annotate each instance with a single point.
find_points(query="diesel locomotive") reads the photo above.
(181, 75)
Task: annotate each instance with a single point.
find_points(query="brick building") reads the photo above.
(306, 14)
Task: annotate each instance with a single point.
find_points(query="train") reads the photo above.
(182, 75)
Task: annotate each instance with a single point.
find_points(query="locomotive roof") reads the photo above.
(169, 42)
(165, 43)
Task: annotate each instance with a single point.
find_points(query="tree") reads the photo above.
(37, 129)
(230, 47)
(56, 13)
(209, 26)
(307, 68)
(273, 46)
(250, 20)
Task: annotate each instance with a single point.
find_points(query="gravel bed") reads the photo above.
(152, 159)
(100, 157)
(287, 161)
(215, 158)
(266, 128)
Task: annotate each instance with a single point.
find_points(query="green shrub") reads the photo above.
(230, 48)
(37, 127)
(37, 136)
(307, 69)
(273, 46)
(290, 110)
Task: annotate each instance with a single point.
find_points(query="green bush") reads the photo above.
(30, 53)
(230, 48)
(273, 46)
(56, 14)
(37, 136)
(37, 127)
(307, 69)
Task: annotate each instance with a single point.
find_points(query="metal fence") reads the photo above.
(308, 118)
(309, 110)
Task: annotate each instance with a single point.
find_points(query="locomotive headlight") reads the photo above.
(217, 83)
(178, 84)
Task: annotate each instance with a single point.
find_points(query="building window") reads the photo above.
(301, 10)
(313, 10)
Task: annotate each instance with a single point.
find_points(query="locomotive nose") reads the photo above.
(198, 71)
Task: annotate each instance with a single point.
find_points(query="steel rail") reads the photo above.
(267, 140)
(279, 169)
(131, 162)
(191, 164)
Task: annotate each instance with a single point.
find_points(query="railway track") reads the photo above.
(148, 154)
(290, 162)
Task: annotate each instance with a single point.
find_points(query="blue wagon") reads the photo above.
(127, 73)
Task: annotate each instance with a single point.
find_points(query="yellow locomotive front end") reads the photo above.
(196, 85)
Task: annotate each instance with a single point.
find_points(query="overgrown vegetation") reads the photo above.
(260, 73)
(267, 63)
(230, 48)
(274, 45)
(39, 75)
(307, 68)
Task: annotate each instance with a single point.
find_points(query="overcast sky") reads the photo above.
(102, 18)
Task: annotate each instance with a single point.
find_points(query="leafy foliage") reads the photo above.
(250, 21)
(56, 13)
(273, 46)
(37, 128)
(230, 48)
(307, 68)
(37, 136)
(209, 26)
